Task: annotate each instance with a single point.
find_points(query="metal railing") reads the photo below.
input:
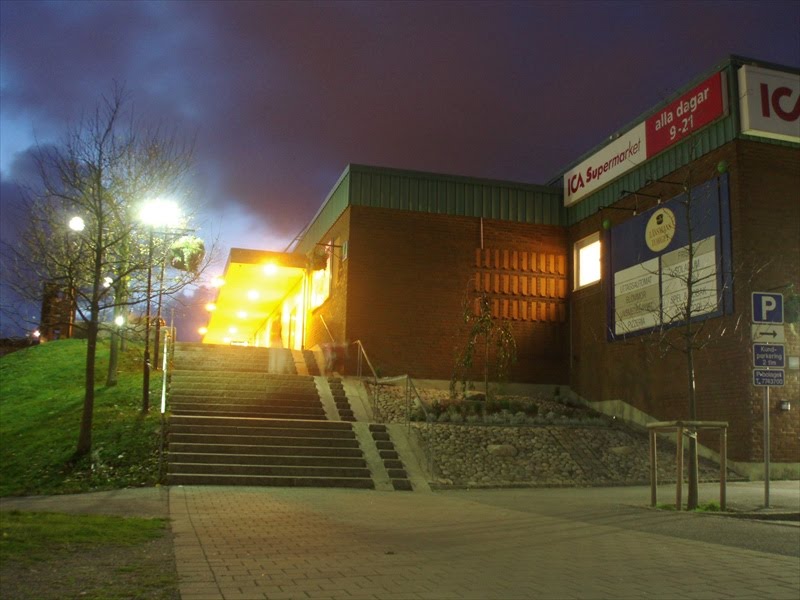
(412, 397)
(166, 358)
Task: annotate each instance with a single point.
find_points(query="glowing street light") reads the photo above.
(77, 224)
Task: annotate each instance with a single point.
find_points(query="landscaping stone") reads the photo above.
(555, 451)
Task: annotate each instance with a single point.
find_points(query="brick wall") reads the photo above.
(409, 273)
(765, 216)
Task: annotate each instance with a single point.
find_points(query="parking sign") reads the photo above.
(767, 307)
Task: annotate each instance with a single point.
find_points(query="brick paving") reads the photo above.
(294, 543)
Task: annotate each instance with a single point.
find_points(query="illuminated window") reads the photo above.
(587, 261)
(321, 284)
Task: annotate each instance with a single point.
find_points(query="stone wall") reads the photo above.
(475, 456)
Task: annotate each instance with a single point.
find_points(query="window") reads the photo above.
(587, 261)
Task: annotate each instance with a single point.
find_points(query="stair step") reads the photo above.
(260, 422)
(266, 460)
(402, 485)
(178, 429)
(389, 454)
(263, 450)
(267, 470)
(266, 441)
(242, 406)
(209, 394)
(397, 473)
(254, 480)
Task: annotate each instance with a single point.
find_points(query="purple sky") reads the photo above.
(282, 96)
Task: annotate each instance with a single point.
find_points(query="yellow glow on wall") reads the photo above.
(320, 286)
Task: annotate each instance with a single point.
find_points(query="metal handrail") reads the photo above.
(360, 358)
(324, 324)
(169, 348)
(410, 387)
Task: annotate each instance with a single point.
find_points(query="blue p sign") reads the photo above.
(767, 307)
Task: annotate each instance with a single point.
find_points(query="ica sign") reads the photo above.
(770, 103)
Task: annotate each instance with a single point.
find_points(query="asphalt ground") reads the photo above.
(281, 543)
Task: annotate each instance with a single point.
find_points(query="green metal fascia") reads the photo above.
(454, 195)
(333, 207)
(362, 185)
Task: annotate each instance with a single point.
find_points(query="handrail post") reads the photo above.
(653, 469)
(679, 467)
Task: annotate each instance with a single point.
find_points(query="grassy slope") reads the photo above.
(41, 400)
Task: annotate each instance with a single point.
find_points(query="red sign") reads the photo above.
(695, 109)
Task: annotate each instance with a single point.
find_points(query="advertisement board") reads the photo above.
(693, 110)
(656, 258)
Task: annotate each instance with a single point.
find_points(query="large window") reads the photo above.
(587, 261)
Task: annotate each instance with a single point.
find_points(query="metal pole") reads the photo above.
(146, 366)
(723, 468)
(158, 311)
(766, 447)
(653, 470)
(679, 469)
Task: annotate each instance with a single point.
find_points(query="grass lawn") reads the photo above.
(41, 400)
(46, 555)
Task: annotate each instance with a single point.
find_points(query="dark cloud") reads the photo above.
(282, 95)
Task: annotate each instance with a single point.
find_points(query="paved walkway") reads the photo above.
(283, 543)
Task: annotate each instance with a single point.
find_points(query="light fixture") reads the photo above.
(217, 282)
(253, 295)
(786, 405)
(202, 330)
(232, 329)
(77, 224)
(241, 314)
(270, 268)
(211, 307)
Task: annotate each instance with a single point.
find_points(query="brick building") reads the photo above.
(592, 270)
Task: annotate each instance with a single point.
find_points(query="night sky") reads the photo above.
(280, 97)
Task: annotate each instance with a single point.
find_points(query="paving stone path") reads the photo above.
(249, 543)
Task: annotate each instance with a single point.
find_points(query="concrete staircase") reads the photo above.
(233, 422)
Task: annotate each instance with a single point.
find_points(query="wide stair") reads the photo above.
(235, 423)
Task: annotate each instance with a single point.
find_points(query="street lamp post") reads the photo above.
(146, 365)
(153, 213)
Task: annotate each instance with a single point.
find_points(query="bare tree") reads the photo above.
(94, 180)
(692, 289)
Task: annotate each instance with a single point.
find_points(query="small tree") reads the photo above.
(96, 177)
(484, 333)
(693, 293)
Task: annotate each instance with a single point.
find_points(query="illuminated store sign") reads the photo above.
(770, 103)
(692, 111)
(653, 266)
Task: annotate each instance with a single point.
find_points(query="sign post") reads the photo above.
(768, 353)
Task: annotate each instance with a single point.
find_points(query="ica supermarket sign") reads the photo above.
(770, 103)
(692, 111)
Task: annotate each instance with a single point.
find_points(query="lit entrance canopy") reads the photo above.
(256, 283)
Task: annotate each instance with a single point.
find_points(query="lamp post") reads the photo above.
(153, 213)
